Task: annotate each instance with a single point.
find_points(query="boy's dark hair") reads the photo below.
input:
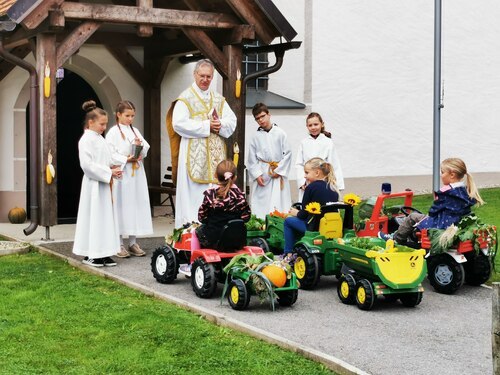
(259, 108)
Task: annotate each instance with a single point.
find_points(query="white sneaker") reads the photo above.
(185, 269)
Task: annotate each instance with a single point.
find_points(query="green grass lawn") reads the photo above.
(55, 319)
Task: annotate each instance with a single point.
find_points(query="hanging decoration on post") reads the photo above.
(50, 171)
(237, 89)
(46, 81)
(236, 156)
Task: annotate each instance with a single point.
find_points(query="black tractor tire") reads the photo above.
(346, 289)
(238, 295)
(307, 267)
(259, 242)
(477, 269)
(203, 278)
(365, 295)
(164, 265)
(287, 297)
(445, 274)
(411, 299)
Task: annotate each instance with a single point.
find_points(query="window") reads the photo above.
(255, 62)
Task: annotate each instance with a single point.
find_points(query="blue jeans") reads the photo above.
(294, 229)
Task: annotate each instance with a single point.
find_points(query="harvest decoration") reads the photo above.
(17, 215)
(176, 234)
(50, 172)
(237, 88)
(277, 213)
(313, 208)
(255, 224)
(46, 81)
(264, 274)
(236, 151)
(352, 199)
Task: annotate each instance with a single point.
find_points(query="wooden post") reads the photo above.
(495, 328)
(46, 53)
(234, 55)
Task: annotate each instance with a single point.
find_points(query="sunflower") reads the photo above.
(352, 199)
(313, 208)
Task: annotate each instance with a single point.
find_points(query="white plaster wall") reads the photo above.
(9, 90)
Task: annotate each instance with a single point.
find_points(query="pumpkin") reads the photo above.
(17, 215)
(275, 274)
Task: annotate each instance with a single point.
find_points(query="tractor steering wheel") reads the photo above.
(406, 210)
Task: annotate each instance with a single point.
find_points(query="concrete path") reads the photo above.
(443, 335)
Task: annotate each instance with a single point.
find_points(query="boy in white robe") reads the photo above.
(96, 234)
(269, 162)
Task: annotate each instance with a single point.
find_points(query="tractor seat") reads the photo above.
(233, 236)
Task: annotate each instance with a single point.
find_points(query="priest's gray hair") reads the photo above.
(203, 62)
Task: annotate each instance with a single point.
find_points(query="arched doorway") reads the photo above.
(72, 92)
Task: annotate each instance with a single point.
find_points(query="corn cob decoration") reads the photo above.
(237, 91)
(236, 156)
(50, 171)
(46, 81)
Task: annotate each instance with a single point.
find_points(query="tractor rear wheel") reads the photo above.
(259, 242)
(238, 295)
(444, 273)
(477, 269)
(203, 278)
(346, 289)
(365, 296)
(307, 267)
(164, 264)
(287, 297)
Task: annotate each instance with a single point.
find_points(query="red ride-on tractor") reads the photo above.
(467, 260)
(206, 264)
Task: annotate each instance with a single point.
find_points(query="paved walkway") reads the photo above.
(443, 335)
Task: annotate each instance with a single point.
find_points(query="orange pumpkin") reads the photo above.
(17, 215)
(275, 274)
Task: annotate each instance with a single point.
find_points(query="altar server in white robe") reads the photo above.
(96, 234)
(318, 144)
(269, 162)
(202, 118)
(132, 195)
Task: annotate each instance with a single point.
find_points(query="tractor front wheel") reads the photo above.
(203, 279)
(238, 295)
(164, 265)
(477, 269)
(307, 267)
(346, 289)
(365, 296)
(445, 274)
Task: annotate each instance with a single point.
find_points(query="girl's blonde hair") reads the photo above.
(327, 170)
(457, 166)
(226, 175)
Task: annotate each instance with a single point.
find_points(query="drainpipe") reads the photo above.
(34, 136)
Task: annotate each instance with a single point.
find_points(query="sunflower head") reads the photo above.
(313, 208)
(352, 199)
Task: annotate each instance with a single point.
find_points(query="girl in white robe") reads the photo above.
(318, 144)
(269, 162)
(96, 235)
(132, 195)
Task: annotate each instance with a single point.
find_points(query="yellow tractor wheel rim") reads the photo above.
(300, 268)
(235, 294)
(344, 289)
(361, 295)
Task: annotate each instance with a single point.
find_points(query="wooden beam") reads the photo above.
(6, 67)
(74, 41)
(145, 30)
(208, 48)
(154, 16)
(252, 15)
(239, 34)
(56, 20)
(130, 64)
(40, 13)
(46, 54)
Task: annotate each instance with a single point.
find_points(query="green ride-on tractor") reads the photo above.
(365, 266)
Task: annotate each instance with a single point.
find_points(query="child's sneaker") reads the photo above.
(384, 236)
(185, 269)
(98, 262)
(123, 253)
(108, 262)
